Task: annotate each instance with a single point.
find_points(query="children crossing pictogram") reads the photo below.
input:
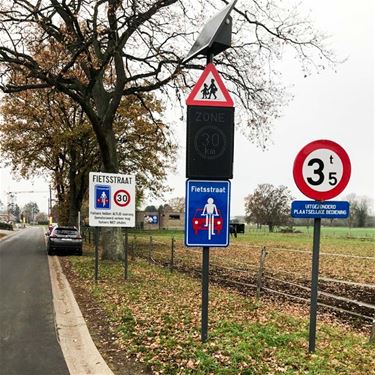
(210, 90)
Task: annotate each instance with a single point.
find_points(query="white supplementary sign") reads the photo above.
(112, 200)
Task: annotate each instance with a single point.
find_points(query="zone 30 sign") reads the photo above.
(112, 200)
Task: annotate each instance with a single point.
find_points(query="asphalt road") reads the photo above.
(28, 341)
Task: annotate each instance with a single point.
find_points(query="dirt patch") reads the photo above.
(96, 319)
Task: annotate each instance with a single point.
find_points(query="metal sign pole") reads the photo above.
(314, 285)
(205, 282)
(96, 254)
(126, 266)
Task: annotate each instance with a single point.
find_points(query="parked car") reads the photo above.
(64, 240)
(6, 225)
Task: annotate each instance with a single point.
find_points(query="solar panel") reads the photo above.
(216, 35)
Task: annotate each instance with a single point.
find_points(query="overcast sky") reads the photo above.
(336, 106)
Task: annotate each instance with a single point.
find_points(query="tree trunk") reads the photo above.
(74, 208)
(106, 105)
(112, 238)
(78, 184)
(112, 243)
(62, 209)
(106, 139)
(74, 205)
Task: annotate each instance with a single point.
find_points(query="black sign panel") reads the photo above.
(210, 138)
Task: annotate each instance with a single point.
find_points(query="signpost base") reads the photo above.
(314, 285)
(96, 254)
(126, 252)
(205, 282)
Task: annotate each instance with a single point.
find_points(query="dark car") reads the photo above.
(64, 240)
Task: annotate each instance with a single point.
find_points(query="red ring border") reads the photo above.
(301, 157)
(122, 191)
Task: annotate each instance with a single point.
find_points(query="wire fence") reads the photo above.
(258, 274)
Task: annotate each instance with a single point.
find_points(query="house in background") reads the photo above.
(163, 219)
(7, 217)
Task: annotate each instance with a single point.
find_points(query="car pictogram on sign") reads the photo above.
(199, 221)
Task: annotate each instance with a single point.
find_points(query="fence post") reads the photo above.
(172, 254)
(262, 259)
(133, 247)
(149, 250)
(372, 334)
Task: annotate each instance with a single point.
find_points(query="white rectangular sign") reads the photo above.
(112, 200)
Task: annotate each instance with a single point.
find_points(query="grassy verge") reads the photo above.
(155, 316)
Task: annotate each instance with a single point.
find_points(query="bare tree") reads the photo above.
(269, 205)
(177, 204)
(113, 48)
(359, 210)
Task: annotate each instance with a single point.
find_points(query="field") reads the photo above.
(154, 317)
(350, 258)
(347, 265)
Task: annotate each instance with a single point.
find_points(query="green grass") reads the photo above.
(332, 239)
(307, 231)
(155, 316)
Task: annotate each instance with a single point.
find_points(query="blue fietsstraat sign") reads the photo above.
(317, 209)
(207, 213)
(102, 197)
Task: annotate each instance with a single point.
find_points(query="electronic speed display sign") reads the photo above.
(209, 149)
(112, 200)
(210, 129)
(322, 170)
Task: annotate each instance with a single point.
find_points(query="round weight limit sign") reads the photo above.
(121, 198)
(322, 170)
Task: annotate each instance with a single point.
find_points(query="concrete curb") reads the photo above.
(80, 352)
(8, 234)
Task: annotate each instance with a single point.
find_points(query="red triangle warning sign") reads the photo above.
(210, 90)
